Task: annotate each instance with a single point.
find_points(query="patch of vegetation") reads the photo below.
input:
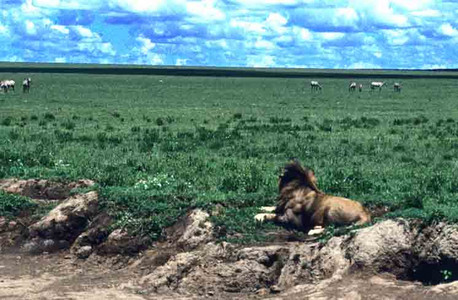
(12, 205)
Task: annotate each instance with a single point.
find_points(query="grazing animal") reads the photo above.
(352, 87)
(360, 87)
(4, 86)
(11, 84)
(315, 86)
(301, 205)
(377, 84)
(26, 85)
(397, 87)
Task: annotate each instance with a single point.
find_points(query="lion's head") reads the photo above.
(296, 176)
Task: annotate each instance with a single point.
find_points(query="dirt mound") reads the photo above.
(42, 189)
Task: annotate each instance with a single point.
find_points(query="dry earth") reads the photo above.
(69, 254)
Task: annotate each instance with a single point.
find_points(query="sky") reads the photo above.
(352, 34)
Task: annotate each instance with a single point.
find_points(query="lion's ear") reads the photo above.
(312, 180)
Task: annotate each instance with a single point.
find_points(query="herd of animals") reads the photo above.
(316, 86)
(8, 85)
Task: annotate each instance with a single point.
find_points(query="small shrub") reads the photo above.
(12, 205)
(7, 121)
(49, 116)
(159, 122)
(237, 116)
(69, 125)
(34, 117)
(14, 135)
(170, 119)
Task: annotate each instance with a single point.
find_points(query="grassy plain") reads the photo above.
(160, 145)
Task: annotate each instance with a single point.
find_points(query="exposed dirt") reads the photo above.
(60, 276)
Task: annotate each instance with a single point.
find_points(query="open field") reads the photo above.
(159, 145)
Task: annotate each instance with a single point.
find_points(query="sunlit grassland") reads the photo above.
(160, 145)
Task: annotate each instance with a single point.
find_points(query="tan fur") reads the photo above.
(301, 205)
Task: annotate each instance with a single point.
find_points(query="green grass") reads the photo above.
(157, 149)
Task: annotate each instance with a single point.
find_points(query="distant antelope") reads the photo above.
(3, 86)
(360, 87)
(10, 84)
(377, 84)
(352, 87)
(397, 87)
(6, 85)
(26, 85)
(315, 86)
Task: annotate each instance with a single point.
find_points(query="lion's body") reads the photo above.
(303, 206)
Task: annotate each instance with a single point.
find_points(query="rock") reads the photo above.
(42, 189)
(169, 275)
(12, 225)
(37, 245)
(384, 247)
(120, 242)
(437, 242)
(96, 233)
(83, 252)
(64, 223)
(198, 230)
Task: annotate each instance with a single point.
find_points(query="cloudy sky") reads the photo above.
(247, 33)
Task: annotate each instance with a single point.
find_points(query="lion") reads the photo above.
(302, 206)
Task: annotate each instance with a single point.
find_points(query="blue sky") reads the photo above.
(237, 33)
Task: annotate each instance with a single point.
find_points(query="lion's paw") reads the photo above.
(268, 209)
(316, 231)
(264, 217)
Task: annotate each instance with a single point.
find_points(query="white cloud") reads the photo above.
(412, 5)
(205, 10)
(396, 36)
(106, 48)
(60, 60)
(258, 3)
(346, 17)
(260, 61)
(251, 27)
(222, 43)
(60, 28)
(263, 44)
(434, 66)
(69, 4)
(83, 31)
(381, 12)
(447, 30)
(29, 9)
(181, 61)
(146, 44)
(4, 30)
(276, 22)
(427, 13)
(332, 35)
(303, 33)
(30, 27)
(364, 65)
